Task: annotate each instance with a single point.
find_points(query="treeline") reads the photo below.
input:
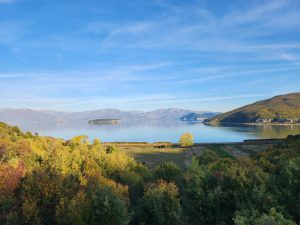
(48, 181)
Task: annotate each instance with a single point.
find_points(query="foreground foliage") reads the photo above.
(51, 181)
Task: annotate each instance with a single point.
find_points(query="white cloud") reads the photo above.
(289, 57)
(256, 13)
(196, 29)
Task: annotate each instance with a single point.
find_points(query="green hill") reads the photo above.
(279, 109)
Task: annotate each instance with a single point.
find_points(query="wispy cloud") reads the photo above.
(148, 53)
(256, 13)
(209, 33)
(289, 57)
(8, 1)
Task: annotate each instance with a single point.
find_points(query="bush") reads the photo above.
(186, 140)
(111, 149)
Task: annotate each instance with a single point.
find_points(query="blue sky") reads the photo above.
(137, 54)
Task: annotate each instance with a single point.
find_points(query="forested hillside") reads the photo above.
(48, 181)
(279, 109)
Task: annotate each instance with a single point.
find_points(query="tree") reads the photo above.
(106, 207)
(111, 149)
(160, 205)
(273, 218)
(252, 218)
(168, 171)
(186, 140)
(82, 139)
(73, 210)
(213, 193)
(97, 141)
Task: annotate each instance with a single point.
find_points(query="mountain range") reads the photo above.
(24, 117)
(278, 109)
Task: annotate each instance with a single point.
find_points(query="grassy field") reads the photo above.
(154, 154)
(219, 149)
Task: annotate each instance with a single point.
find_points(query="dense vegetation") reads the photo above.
(48, 181)
(283, 108)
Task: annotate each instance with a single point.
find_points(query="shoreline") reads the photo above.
(253, 124)
(170, 144)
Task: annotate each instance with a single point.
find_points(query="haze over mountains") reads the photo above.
(44, 118)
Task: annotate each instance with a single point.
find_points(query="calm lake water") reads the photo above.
(166, 132)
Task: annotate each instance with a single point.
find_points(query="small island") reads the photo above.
(104, 121)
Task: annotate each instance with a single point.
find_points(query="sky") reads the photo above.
(212, 55)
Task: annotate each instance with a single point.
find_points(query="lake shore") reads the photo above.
(252, 124)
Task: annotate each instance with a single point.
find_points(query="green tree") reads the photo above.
(287, 185)
(106, 207)
(72, 210)
(186, 140)
(211, 194)
(168, 171)
(160, 205)
(272, 218)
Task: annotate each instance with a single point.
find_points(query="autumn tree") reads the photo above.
(186, 140)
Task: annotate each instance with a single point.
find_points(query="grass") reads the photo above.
(220, 152)
(245, 150)
(152, 156)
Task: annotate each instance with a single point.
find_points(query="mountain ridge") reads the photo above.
(278, 109)
(26, 116)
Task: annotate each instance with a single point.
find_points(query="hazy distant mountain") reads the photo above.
(197, 117)
(279, 109)
(24, 117)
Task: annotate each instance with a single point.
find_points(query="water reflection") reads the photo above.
(264, 131)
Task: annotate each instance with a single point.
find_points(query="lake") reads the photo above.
(153, 132)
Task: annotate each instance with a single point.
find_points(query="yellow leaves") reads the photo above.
(82, 139)
(38, 147)
(186, 140)
(118, 160)
(96, 142)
